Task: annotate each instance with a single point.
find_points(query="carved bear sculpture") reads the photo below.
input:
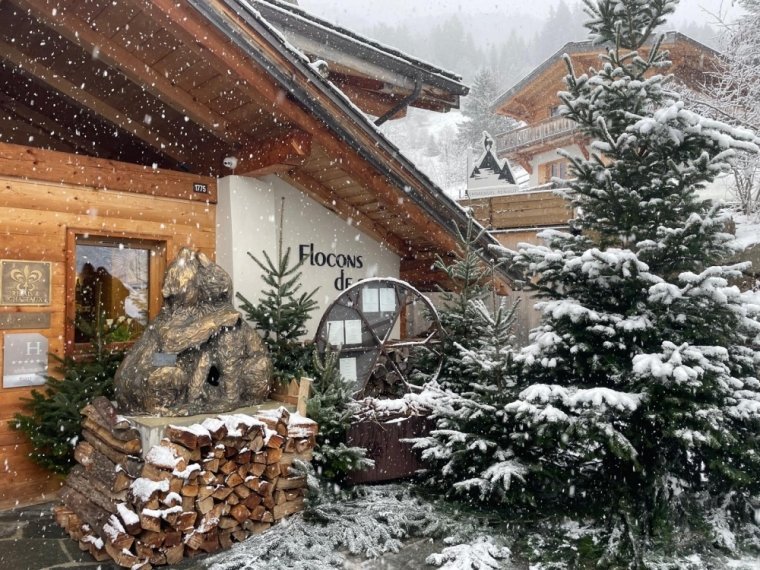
(198, 355)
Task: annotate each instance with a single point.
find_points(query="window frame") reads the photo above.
(548, 169)
(158, 245)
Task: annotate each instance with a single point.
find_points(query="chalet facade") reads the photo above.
(131, 129)
(533, 102)
(516, 216)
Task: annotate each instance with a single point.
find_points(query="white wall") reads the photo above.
(248, 218)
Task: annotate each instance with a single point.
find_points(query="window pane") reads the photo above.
(554, 169)
(112, 281)
(562, 170)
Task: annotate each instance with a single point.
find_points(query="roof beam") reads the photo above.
(278, 153)
(333, 202)
(80, 33)
(89, 101)
(51, 127)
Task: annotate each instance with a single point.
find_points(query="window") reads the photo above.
(556, 169)
(115, 279)
(554, 111)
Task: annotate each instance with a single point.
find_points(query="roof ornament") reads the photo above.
(487, 141)
(489, 175)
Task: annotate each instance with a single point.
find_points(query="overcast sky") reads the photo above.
(368, 12)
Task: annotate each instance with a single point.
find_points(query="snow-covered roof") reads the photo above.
(292, 20)
(490, 176)
(441, 208)
(586, 47)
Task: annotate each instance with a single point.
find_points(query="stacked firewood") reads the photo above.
(204, 487)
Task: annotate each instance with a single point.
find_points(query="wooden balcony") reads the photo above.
(536, 134)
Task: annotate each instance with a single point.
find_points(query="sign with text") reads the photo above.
(25, 359)
(25, 283)
(340, 261)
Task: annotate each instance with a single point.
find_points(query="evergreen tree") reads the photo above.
(469, 452)
(332, 406)
(477, 111)
(53, 422)
(281, 314)
(640, 392)
(457, 313)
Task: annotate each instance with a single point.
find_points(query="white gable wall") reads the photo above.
(248, 218)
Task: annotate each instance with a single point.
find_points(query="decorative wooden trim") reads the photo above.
(60, 167)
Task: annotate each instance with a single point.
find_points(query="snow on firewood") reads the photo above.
(162, 513)
(187, 471)
(113, 529)
(143, 489)
(163, 457)
(128, 515)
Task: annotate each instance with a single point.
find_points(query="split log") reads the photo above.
(151, 539)
(288, 508)
(79, 481)
(274, 441)
(106, 525)
(222, 492)
(174, 554)
(128, 447)
(291, 482)
(132, 465)
(94, 417)
(191, 438)
(61, 514)
(253, 501)
(124, 558)
(257, 469)
(108, 412)
(240, 513)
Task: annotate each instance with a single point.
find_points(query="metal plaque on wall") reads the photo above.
(25, 282)
(25, 359)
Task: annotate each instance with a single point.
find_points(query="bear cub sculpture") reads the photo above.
(198, 355)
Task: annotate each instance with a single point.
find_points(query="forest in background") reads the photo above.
(492, 52)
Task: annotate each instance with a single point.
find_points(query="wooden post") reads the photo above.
(304, 391)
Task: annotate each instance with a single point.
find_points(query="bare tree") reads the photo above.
(732, 94)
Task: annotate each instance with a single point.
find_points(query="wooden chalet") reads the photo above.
(533, 101)
(116, 122)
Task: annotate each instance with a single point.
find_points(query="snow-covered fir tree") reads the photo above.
(639, 392)
(469, 452)
(458, 314)
(477, 110)
(332, 406)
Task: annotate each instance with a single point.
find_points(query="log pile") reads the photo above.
(204, 487)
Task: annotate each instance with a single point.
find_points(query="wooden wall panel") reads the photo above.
(521, 210)
(34, 219)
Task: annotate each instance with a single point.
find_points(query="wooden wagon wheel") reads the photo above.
(363, 320)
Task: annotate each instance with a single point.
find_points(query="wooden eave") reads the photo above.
(352, 57)
(182, 84)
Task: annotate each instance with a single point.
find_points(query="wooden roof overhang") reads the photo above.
(531, 97)
(182, 84)
(375, 76)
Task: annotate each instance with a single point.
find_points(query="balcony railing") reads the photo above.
(536, 133)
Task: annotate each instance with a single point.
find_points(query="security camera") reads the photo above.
(230, 162)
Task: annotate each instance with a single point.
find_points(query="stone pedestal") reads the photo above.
(153, 428)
